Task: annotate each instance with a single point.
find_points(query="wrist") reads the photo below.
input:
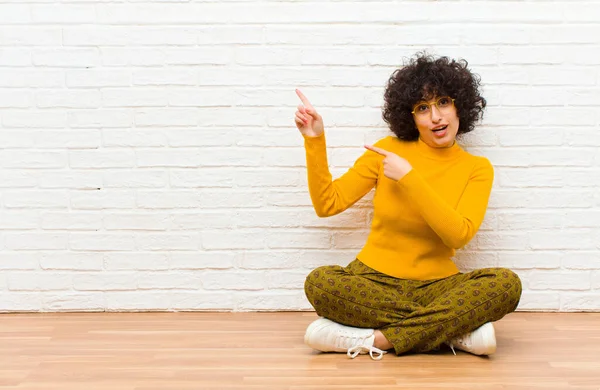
(312, 134)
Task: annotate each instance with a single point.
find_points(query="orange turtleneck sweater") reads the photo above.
(419, 220)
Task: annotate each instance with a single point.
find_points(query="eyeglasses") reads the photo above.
(443, 104)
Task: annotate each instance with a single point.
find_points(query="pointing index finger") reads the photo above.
(377, 150)
(303, 98)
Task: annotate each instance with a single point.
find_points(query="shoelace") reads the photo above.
(356, 345)
(452, 348)
(458, 340)
(357, 349)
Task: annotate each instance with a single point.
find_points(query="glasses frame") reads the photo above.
(431, 104)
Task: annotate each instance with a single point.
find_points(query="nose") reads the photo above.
(436, 115)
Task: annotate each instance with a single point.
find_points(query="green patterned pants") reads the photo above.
(414, 315)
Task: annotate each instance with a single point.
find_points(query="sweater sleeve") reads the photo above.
(456, 227)
(332, 197)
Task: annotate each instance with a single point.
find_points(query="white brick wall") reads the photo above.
(149, 159)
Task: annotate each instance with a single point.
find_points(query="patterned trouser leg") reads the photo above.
(413, 315)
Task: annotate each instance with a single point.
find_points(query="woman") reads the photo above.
(403, 291)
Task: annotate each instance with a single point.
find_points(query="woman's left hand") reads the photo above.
(394, 166)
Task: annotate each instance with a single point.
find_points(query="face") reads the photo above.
(437, 121)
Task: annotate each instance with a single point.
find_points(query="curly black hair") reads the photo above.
(423, 78)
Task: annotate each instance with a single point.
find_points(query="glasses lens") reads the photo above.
(421, 109)
(444, 102)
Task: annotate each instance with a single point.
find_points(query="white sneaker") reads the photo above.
(327, 336)
(481, 341)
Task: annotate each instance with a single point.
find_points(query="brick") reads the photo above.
(168, 241)
(180, 280)
(67, 57)
(134, 97)
(538, 300)
(100, 118)
(579, 301)
(35, 281)
(20, 301)
(202, 300)
(101, 159)
(72, 261)
(165, 77)
(15, 14)
(272, 300)
(293, 258)
(126, 36)
(89, 78)
(36, 241)
(15, 57)
(203, 199)
(15, 99)
(238, 239)
(202, 260)
(72, 180)
(135, 179)
(300, 239)
(63, 14)
(529, 260)
(27, 77)
(233, 280)
(50, 199)
(102, 199)
(101, 242)
(18, 261)
(76, 302)
(579, 239)
(134, 138)
(34, 119)
(123, 56)
(135, 221)
(136, 261)
(137, 300)
(71, 221)
(20, 220)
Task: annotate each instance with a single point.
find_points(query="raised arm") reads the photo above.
(331, 197)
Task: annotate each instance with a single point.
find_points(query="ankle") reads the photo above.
(381, 342)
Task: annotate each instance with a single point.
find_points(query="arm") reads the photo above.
(455, 227)
(332, 197)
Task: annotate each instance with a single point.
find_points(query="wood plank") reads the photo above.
(152, 351)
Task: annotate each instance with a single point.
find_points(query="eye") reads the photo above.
(422, 108)
(444, 101)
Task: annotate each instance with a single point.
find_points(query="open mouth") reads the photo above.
(439, 129)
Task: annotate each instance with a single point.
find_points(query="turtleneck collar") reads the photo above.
(438, 153)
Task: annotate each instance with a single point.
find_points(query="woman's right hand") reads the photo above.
(307, 120)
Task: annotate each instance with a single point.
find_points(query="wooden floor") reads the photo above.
(184, 351)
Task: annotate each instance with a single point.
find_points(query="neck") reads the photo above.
(442, 153)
